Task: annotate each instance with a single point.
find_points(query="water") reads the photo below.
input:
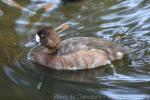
(22, 79)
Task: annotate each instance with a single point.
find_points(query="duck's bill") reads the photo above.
(37, 39)
(32, 43)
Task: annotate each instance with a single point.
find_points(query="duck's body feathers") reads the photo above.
(81, 53)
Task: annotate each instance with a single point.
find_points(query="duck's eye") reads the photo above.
(42, 35)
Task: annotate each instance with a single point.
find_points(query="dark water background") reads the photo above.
(21, 79)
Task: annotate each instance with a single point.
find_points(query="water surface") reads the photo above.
(22, 79)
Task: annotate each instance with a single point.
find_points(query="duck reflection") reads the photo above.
(61, 85)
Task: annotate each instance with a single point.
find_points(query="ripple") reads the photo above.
(28, 83)
(14, 77)
(123, 94)
(136, 17)
(1, 12)
(117, 78)
(127, 4)
(30, 11)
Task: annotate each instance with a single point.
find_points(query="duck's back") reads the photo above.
(76, 44)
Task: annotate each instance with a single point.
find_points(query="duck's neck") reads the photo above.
(53, 50)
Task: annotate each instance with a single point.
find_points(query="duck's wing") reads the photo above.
(75, 44)
(83, 59)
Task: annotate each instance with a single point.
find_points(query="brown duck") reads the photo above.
(76, 52)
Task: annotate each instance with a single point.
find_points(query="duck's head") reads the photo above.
(49, 38)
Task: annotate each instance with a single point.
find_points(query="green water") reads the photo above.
(22, 79)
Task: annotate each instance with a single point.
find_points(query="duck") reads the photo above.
(76, 53)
